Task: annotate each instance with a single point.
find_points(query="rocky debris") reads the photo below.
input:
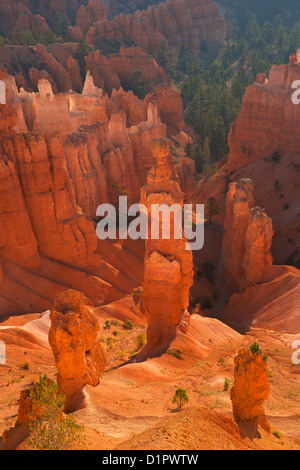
(168, 265)
(248, 238)
(182, 23)
(78, 354)
(251, 389)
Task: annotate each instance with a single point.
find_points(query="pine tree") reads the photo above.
(168, 59)
(211, 208)
(180, 398)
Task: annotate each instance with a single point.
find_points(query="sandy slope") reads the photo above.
(132, 407)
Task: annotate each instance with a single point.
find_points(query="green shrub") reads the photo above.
(50, 428)
(110, 342)
(226, 385)
(254, 348)
(180, 398)
(127, 325)
(141, 340)
(276, 433)
(176, 353)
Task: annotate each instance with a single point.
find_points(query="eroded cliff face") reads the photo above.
(168, 264)
(182, 23)
(58, 64)
(78, 353)
(62, 155)
(117, 68)
(248, 238)
(16, 14)
(251, 389)
(269, 120)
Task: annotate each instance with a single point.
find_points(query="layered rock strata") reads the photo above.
(181, 23)
(168, 264)
(78, 353)
(61, 156)
(269, 120)
(248, 238)
(251, 389)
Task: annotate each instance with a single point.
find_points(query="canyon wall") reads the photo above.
(33, 15)
(182, 23)
(16, 14)
(268, 124)
(268, 294)
(58, 64)
(168, 264)
(61, 156)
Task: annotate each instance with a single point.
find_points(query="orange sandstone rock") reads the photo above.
(170, 104)
(182, 23)
(168, 265)
(258, 243)
(268, 122)
(78, 353)
(96, 10)
(16, 14)
(186, 172)
(251, 388)
(61, 156)
(17, 240)
(248, 238)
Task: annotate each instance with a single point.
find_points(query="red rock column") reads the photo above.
(168, 265)
(251, 388)
(248, 238)
(78, 353)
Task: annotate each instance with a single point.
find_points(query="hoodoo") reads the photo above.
(251, 388)
(168, 265)
(78, 353)
(248, 238)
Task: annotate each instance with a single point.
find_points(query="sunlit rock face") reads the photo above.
(168, 264)
(61, 156)
(251, 388)
(248, 238)
(268, 122)
(78, 353)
